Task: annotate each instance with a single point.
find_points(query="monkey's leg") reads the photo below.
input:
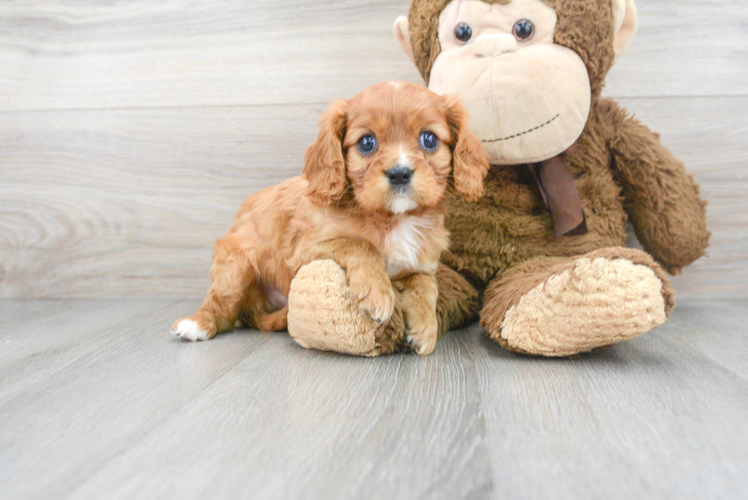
(558, 306)
(322, 314)
(458, 302)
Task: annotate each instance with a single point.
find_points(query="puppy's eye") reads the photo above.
(429, 142)
(367, 144)
(463, 33)
(523, 30)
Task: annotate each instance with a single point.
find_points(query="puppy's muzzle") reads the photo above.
(399, 176)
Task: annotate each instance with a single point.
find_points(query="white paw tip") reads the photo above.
(189, 330)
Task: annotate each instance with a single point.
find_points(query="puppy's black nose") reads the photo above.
(399, 176)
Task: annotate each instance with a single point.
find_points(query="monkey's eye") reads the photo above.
(523, 30)
(367, 144)
(463, 33)
(429, 142)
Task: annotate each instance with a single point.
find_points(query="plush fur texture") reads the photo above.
(528, 100)
(323, 315)
(622, 173)
(583, 26)
(557, 306)
(558, 297)
(348, 207)
(621, 170)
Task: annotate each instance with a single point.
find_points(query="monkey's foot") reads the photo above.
(324, 315)
(566, 306)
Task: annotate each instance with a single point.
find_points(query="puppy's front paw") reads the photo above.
(379, 303)
(374, 293)
(193, 328)
(422, 335)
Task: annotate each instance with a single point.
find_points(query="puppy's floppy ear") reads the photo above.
(469, 157)
(324, 164)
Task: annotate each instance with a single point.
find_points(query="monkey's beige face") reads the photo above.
(528, 97)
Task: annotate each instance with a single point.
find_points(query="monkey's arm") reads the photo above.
(661, 199)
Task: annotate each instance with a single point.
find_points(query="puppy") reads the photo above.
(370, 198)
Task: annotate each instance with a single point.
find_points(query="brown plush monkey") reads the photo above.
(543, 250)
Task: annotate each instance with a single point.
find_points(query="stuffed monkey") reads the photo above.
(541, 256)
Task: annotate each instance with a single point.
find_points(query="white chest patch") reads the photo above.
(404, 245)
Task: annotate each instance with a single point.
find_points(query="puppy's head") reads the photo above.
(394, 148)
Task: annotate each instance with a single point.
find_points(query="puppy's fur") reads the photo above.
(345, 208)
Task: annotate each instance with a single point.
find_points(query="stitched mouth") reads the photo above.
(525, 132)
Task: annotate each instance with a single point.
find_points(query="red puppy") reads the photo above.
(370, 198)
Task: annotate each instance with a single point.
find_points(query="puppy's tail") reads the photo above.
(273, 322)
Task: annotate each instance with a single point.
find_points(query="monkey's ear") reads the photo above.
(624, 23)
(469, 157)
(402, 33)
(324, 164)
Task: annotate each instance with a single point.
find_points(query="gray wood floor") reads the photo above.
(97, 400)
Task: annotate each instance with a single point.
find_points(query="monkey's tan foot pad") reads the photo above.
(323, 315)
(580, 304)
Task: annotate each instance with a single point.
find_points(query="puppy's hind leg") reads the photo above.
(274, 321)
(233, 279)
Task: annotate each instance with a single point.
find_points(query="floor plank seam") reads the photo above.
(166, 108)
(178, 407)
(315, 103)
(703, 357)
(45, 379)
(481, 411)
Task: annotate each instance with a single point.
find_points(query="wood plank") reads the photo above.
(251, 415)
(146, 416)
(40, 338)
(127, 203)
(84, 403)
(67, 55)
(649, 418)
(152, 190)
(716, 329)
(31, 328)
(680, 50)
(312, 425)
